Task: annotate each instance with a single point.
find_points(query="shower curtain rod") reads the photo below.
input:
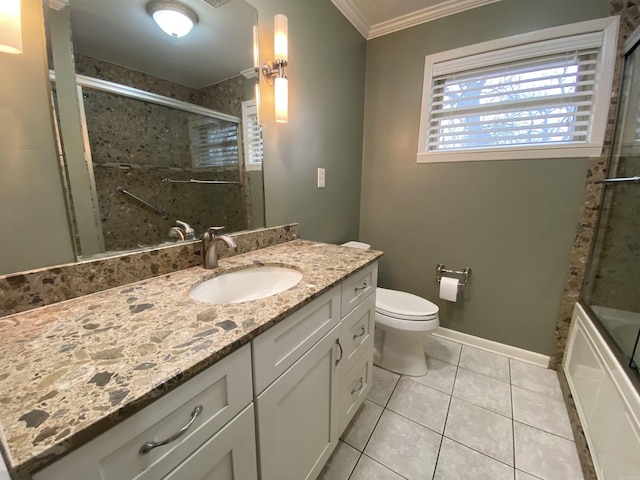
(191, 180)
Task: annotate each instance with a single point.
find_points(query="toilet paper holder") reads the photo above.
(465, 273)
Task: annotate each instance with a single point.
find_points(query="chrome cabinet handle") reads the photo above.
(359, 387)
(361, 333)
(340, 347)
(364, 286)
(147, 447)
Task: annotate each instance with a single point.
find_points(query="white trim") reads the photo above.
(58, 4)
(352, 14)
(631, 42)
(494, 347)
(444, 9)
(535, 43)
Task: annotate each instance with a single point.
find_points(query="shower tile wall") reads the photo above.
(137, 155)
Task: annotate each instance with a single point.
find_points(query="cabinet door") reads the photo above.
(298, 416)
(230, 454)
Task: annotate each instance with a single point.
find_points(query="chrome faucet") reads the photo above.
(210, 246)
(182, 231)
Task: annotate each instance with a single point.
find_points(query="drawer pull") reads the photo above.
(360, 333)
(147, 447)
(340, 347)
(359, 387)
(364, 286)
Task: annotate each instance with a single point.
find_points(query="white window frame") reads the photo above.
(251, 163)
(494, 52)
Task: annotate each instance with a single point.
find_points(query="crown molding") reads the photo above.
(347, 8)
(450, 7)
(58, 4)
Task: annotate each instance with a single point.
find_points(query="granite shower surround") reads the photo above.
(24, 291)
(77, 368)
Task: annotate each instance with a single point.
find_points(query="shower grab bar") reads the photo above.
(139, 200)
(616, 181)
(191, 180)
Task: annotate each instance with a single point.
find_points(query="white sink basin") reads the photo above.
(245, 285)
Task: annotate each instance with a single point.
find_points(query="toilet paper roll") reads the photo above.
(449, 288)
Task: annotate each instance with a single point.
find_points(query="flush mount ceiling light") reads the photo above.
(174, 18)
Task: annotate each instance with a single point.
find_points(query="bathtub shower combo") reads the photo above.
(603, 352)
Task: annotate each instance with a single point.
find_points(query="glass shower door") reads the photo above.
(612, 290)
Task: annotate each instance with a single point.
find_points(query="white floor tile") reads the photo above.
(442, 349)
(486, 363)
(457, 461)
(420, 403)
(382, 385)
(404, 446)
(341, 463)
(368, 469)
(361, 427)
(483, 391)
(545, 455)
(537, 379)
(440, 376)
(481, 430)
(540, 411)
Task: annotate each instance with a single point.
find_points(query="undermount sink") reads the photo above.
(245, 285)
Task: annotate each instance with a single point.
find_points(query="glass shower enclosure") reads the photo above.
(612, 287)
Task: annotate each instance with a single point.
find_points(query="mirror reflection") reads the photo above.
(159, 131)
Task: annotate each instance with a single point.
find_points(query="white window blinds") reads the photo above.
(253, 148)
(214, 142)
(531, 97)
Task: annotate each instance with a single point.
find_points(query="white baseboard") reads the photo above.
(493, 347)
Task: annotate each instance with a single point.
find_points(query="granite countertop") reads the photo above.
(74, 369)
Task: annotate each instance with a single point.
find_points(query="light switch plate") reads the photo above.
(321, 178)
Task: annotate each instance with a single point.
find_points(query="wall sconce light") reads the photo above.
(275, 72)
(174, 18)
(10, 27)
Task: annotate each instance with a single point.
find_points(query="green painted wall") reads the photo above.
(35, 228)
(512, 222)
(326, 102)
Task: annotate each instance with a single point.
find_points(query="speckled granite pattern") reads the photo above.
(27, 290)
(72, 370)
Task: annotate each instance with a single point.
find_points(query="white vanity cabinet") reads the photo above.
(311, 372)
(219, 393)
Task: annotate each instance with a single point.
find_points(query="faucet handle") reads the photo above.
(213, 231)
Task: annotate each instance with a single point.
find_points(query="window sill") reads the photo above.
(510, 153)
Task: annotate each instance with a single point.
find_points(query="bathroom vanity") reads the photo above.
(259, 389)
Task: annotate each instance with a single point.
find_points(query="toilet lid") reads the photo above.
(404, 305)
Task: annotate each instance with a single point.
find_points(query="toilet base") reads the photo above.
(400, 352)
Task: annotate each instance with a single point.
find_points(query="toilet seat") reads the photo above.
(404, 306)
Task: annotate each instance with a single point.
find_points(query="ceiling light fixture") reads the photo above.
(174, 18)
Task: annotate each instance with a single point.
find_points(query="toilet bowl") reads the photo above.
(402, 322)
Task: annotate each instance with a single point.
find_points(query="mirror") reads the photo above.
(156, 131)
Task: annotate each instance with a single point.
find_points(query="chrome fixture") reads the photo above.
(616, 181)
(182, 231)
(174, 18)
(208, 182)
(276, 69)
(465, 273)
(122, 191)
(210, 246)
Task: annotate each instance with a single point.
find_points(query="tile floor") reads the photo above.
(475, 416)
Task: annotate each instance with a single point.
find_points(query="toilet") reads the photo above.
(402, 322)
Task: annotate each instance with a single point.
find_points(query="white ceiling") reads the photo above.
(219, 47)
(374, 18)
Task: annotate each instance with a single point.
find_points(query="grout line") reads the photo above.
(355, 464)
(544, 431)
(485, 375)
(385, 466)
(481, 453)
(513, 422)
(446, 419)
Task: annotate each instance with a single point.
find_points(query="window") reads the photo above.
(253, 148)
(214, 142)
(544, 94)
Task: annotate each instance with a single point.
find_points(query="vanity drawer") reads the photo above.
(358, 287)
(275, 350)
(222, 391)
(354, 387)
(356, 333)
